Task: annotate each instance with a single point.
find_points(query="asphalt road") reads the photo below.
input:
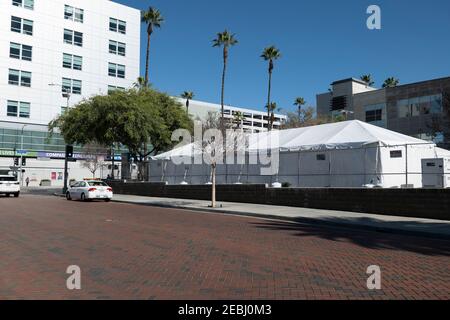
(127, 251)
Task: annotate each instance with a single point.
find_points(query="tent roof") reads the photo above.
(339, 135)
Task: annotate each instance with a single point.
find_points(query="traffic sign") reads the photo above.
(22, 152)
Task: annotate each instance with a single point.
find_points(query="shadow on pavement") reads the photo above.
(370, 239)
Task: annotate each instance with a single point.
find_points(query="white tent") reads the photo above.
(343, 154)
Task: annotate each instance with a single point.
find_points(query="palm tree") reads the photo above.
(391, 82)
(188, 95)
(367, 78)
(299, 102)
(153, 18)
(270, 54)
(239, 119)
(271, 107)
(225, 40)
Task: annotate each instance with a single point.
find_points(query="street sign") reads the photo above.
(21, 152)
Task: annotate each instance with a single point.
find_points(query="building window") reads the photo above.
(71, 86)
(374, 115)
(18, 108)
(17, 77)
(117, 26)
(20, 51)
(72, 62)
(419, 106)
(117, 48)
(396, 154)
(73, 37)
(114, 88)
(321, 157)
(116, 70)
(63, 109)
(22, 25)
(28, 4)
(74, 14)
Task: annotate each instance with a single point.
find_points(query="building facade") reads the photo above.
(254, 121)
(409, 109)
(54, 53)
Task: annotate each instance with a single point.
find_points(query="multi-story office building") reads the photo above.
(408, 109)
(253, 121)
(54, 53)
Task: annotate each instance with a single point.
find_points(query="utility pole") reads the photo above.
(21, 156)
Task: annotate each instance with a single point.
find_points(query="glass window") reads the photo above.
(121, 49)
(66, 85)
(68, 12)
(24, 110)
(14, 50)
(79, 15)
(76, 86)
(14, 76)
(122, 27)
(27, 52)
(68, 36)
(120, 71)
(67, 60)
(29, 4)
(77, 62)
(28, 27)
(17, 3)
(436, 103)
(12, 108)
(374, 115)
(112, 46)
(112, 69)
(63, 109)
(78, 38)
(396, 154)
(25, 79)
(16, 24)
(321, 157)
(113, 24)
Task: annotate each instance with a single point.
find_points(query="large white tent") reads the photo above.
(343, 154)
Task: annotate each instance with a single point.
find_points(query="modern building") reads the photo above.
(408, 109)
(254, 121)
(54, 53)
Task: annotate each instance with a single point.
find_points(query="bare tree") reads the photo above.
(440, 122)
(95, 157)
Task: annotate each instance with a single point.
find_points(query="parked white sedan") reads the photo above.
(9, 185)
(89, 190)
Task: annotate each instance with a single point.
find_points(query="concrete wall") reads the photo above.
(424, 203)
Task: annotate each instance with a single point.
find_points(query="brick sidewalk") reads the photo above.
(137, 252)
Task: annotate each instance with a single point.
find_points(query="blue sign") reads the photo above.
(21, 151)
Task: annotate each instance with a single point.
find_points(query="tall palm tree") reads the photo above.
(391, 82)
(153, 19)
(238, 119)
(188, 95)
(270, 54)
(271, 107)
(367, 78)
(225, 40)
(299, 102)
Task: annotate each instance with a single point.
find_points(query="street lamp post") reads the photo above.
(66, 160)
(21, 156)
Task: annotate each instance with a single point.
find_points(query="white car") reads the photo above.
(9, 185)
(89, 190)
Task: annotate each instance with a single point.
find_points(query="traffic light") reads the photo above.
(24, 162)
(16, 162)
(69, 151)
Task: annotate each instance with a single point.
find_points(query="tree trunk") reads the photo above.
(222, 97)
(268, 99)
(147, 60)
(213, 186)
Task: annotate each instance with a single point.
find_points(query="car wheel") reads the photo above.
(68, 197)
(16, 195)
(83, 197)
(107, 200)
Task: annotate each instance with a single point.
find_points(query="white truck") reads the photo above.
(9, 185)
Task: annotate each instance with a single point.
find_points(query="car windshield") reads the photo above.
(7, 178)
(97, 184)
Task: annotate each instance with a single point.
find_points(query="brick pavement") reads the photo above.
(128, 251)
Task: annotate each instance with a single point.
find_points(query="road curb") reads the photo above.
(301, 220)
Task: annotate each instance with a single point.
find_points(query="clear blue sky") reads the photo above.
(320, 40)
